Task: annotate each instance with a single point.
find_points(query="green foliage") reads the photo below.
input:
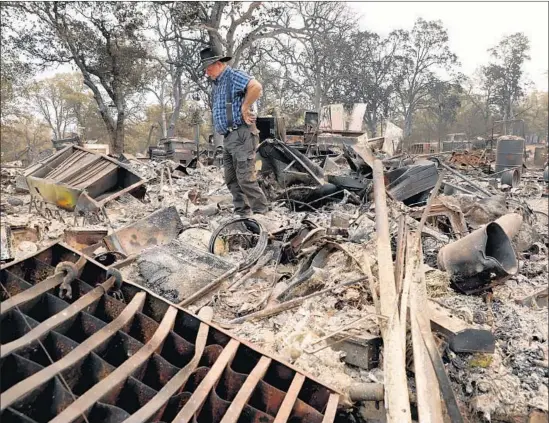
(305, 54)
(424, 50)
(505, 74)
(103, 40)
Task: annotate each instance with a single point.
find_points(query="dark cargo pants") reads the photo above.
(240, 174)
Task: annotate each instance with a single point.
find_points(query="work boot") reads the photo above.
(244, 213)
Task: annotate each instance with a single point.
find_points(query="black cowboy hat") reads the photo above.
(211, 55)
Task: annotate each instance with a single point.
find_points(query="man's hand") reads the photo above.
(248, 116)
(253, 92)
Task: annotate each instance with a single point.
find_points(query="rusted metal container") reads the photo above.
(540, 156)
(63, 178)
(509, 153)
(511, 177)
(182, 150)
(481, 256)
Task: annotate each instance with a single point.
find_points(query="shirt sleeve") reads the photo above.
(240, 81)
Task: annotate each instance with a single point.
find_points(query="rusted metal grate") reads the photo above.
(132, 357)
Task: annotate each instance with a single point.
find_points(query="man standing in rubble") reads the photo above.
(234, 93)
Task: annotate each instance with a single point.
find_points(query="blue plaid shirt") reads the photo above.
(240, 81)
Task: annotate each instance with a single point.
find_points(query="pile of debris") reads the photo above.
(414, 281)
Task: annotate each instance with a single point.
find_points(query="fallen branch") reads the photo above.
(290, 304)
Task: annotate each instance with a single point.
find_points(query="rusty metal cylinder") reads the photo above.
(483, 254)
(540, 156)
(509, 153)
(511, 177)
(366, 392)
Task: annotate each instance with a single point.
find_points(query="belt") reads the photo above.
(233, 128)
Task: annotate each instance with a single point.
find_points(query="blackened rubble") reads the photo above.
(303, 282)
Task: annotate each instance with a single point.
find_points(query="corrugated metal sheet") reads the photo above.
(63, 177)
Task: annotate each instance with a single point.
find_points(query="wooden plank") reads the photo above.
(26, 386)
(57, 319)
(245, 392)
(202, 391)
(331, 409)
(396, 400)
(400, 252)
(364, 151)
(452, 407)
(429, 403)
(122, 372)
(461, 336)
(289, 400)
(177, 382)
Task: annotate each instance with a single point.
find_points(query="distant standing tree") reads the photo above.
(480, 93)
(102, 39)
(314, 56)
(14, 74)
(505, 74)
(371, 75)
(424, 50)
(444, 103)
(177, 59)
(56, 100)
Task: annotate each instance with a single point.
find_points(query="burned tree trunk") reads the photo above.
(118, 140)
(177, 98)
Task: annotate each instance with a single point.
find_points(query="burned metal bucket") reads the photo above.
(482, 256)
(511, 177)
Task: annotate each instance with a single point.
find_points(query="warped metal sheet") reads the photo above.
(158, 228)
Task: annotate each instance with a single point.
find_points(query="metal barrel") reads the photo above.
(540, 156)
(509, 153)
